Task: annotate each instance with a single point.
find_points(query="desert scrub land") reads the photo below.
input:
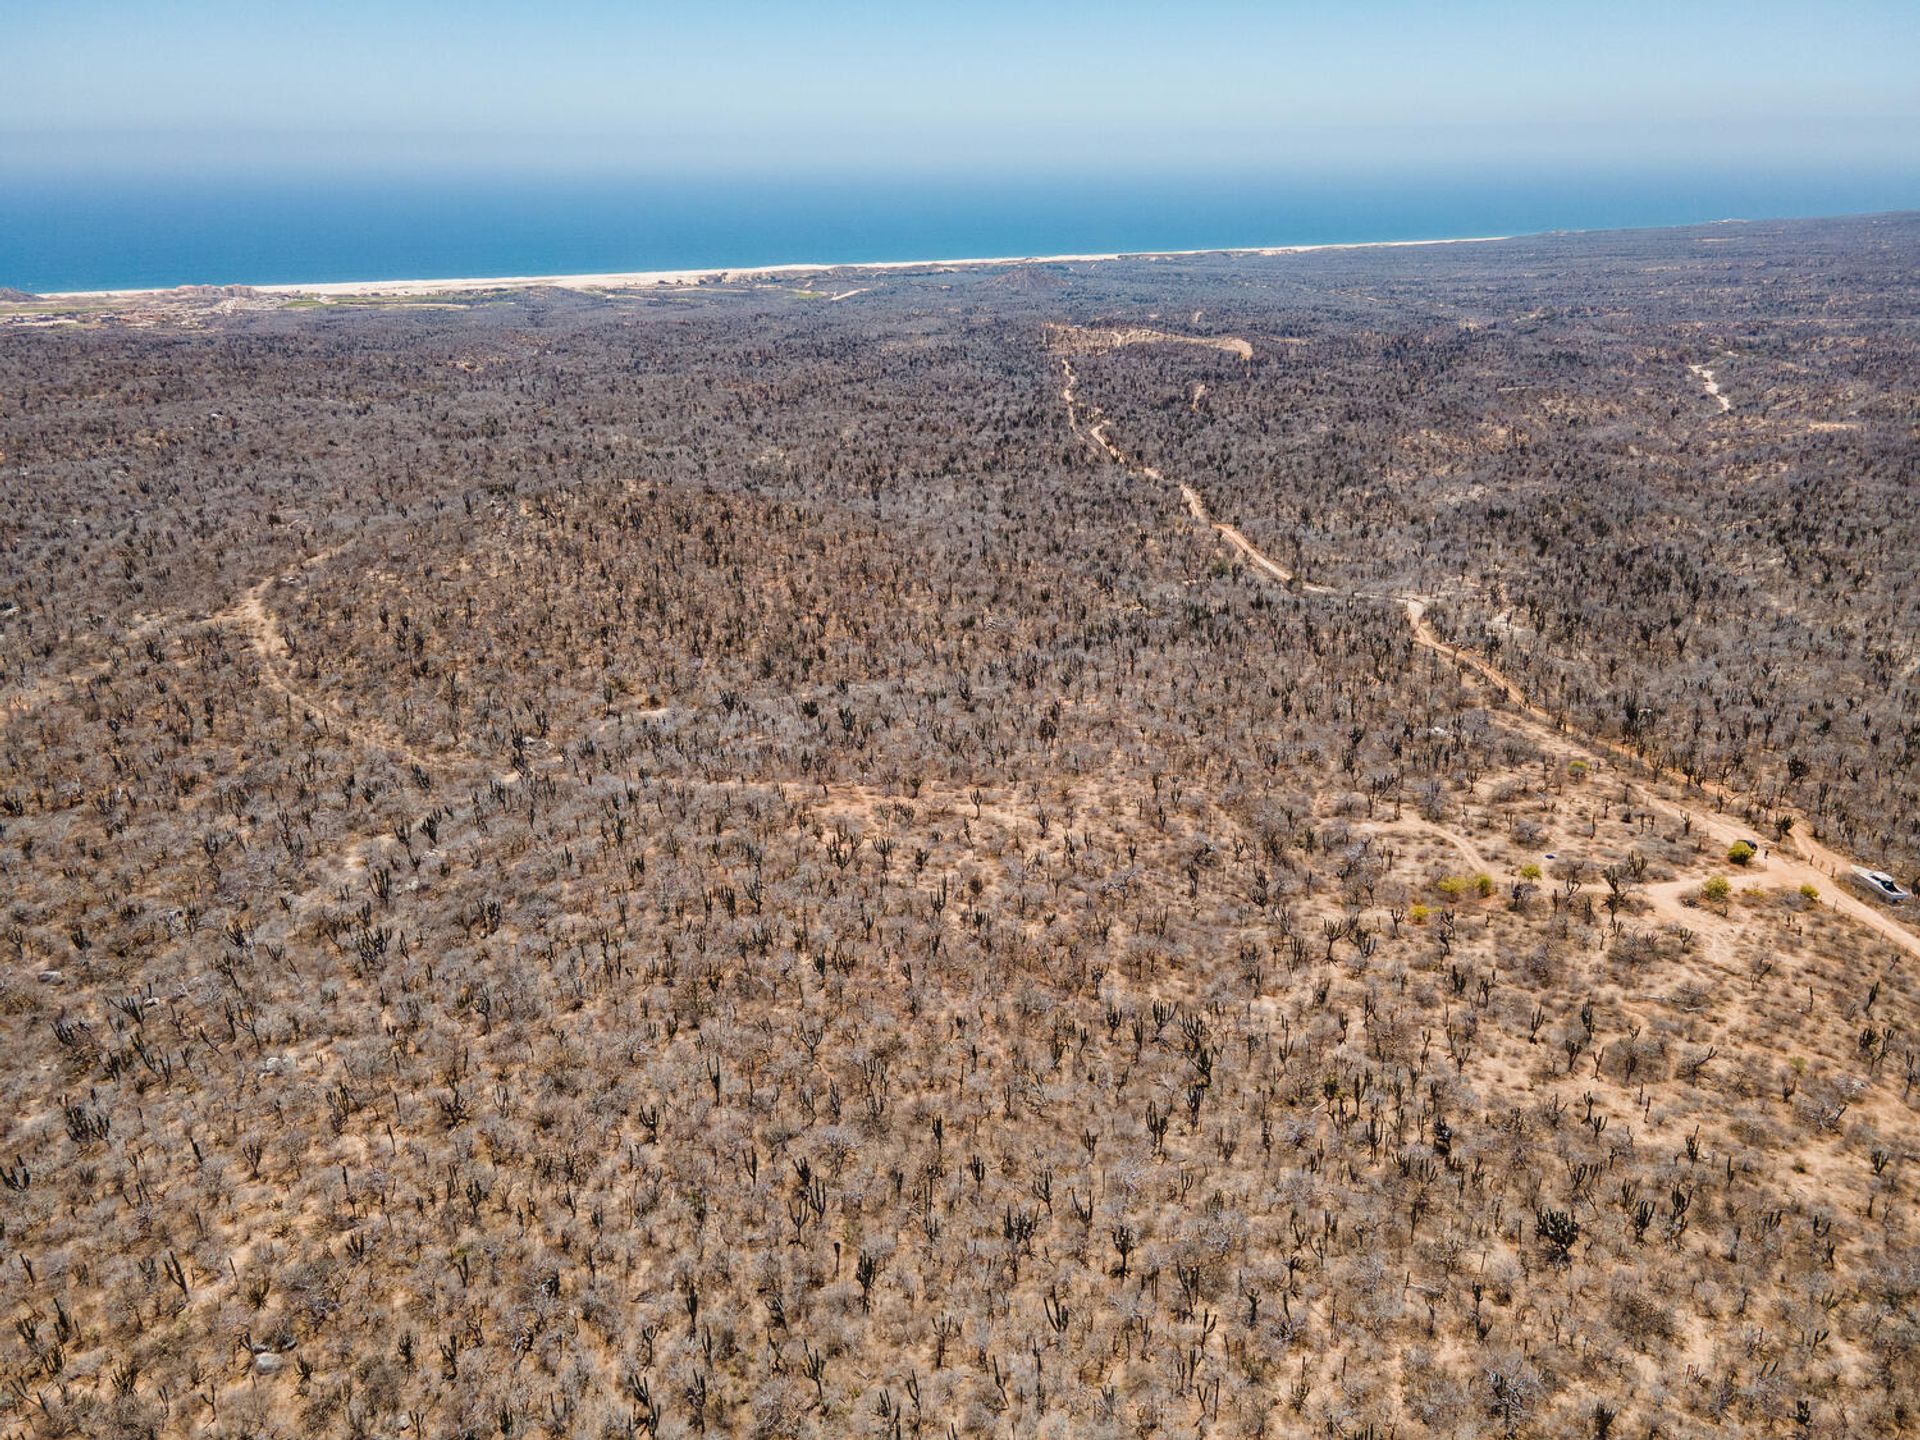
(714, 863)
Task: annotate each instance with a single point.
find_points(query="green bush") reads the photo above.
(1560, 1230)
(1740, 852)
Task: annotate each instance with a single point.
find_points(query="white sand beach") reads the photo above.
(640, 279)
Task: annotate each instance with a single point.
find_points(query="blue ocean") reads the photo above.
(99, 233)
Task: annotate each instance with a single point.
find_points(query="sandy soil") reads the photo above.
(1082, 340)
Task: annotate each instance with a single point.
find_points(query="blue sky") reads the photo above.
(989, 86)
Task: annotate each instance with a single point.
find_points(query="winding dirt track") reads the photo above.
(1704, 374)
(1814, 864)
(251, 616)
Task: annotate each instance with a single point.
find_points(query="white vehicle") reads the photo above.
(1880, 885)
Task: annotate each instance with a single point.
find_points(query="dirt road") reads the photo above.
(254, 620)
(1808, 862)
(1705, 376)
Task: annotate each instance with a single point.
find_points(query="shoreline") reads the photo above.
(641, 279)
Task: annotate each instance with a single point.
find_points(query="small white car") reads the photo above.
(1880, 885)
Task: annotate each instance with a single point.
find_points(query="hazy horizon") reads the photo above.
(112, 88)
